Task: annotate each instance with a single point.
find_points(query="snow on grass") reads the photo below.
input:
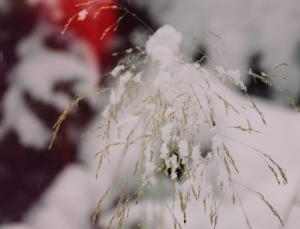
(237, 128)
(248, 129)
(234, 30)
(164, 45)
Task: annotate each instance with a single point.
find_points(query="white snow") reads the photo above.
(69, 203)
(164, 45)
(253, 171)
(234, 30)
(116, 71)
(15, 226)
(19, 117)
(37, 73)
(82, 15)
(183, 148)
(76, 185)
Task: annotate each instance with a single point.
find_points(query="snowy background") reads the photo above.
(41, 71)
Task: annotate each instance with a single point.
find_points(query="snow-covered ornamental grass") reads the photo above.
(160, 123)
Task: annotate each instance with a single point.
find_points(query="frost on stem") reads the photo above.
(156, 115)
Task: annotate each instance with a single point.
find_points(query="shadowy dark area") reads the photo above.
(15, 24)
(131, 24)
(297, 59)
(256, 87)
(25, 173)
(201, 55)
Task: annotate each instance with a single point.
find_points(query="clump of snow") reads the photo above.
(164, 44)
(183, 148)
(116, 71)
(232, 75)
(82, 15)
(196, 154)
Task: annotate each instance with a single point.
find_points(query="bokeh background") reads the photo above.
(41, 70)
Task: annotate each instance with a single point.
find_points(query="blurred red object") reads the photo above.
(25, 172)
(90, 29)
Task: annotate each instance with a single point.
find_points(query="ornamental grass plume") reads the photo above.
(161, 134)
